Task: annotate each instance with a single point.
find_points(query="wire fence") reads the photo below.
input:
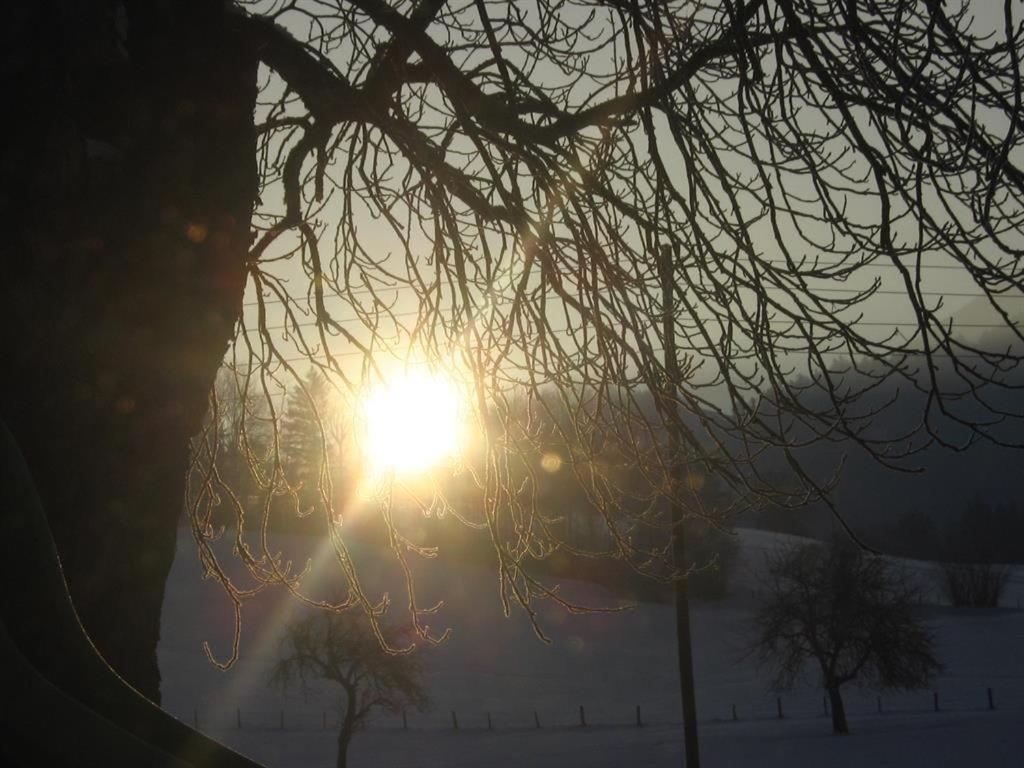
(756, 707)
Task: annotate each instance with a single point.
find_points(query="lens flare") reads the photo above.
(551, 462)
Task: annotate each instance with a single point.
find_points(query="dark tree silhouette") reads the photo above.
(850, 614)
(976, 549)
(343, 648)
(311, 442)
(526, 167)
(974, 584)
(131, 174)
(302, 438)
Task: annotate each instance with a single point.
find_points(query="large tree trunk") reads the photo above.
(127, 203)
(835, 700)
(344, 737)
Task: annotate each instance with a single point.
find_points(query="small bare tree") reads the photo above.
(851, 613)
(977, 546)
(974, 584)
(343, 648)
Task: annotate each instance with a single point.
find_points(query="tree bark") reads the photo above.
(343, 740)
(348, 727)
(129, 191)
(835, 700)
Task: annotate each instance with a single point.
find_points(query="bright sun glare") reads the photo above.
(413, 422)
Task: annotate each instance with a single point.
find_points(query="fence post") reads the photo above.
(778, 705)
(734, 717)
(536, 718)
(991, 700)
(490, 726)
(583, 717)
(639, 721)
(935, 700)
(455, 721)
(405, 722)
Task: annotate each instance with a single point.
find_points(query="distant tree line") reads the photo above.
(983, 532)
(974, 550)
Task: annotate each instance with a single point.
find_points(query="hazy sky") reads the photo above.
(878, 315)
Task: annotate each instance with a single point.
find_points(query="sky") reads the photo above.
(386, 315)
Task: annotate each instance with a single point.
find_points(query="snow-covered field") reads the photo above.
(608, 663)
(909, 741)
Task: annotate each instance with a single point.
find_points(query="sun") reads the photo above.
(413, 422)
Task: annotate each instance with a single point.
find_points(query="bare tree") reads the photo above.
(342, 648)
(975, 551)
(493, 187)
(849, 614)
(974, 584)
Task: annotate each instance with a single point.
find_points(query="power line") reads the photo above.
(899, 326)
(416, 313)
(916, 353)
(507, 301)
(813, 289)
(895, 324)
(892, 292)
(570, 332)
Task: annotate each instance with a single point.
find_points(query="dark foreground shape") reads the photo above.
(63, 705)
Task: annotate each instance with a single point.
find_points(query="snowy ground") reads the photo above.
(607, 663)
(993, 740)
